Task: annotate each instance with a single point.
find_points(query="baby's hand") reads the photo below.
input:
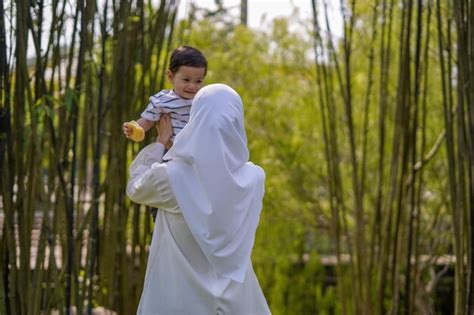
(127, 131)
(133, 130)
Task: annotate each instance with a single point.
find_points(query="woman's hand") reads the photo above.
(165, 130)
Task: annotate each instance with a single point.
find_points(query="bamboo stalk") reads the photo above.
(8, 274)
(94, 230)
(411, 202)
(424, 98)
(335, 226)
(365, 130)
(378, 234)
(70, 210)
(21, 101)
(459, 299)
(336, 156)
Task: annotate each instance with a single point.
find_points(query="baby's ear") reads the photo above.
(169, 74)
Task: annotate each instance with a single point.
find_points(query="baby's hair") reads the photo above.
(187, 56)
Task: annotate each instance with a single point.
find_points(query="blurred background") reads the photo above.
(360, 112)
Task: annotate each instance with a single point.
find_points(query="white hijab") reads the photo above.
(219, 192)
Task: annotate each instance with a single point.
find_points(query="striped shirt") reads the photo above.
(167, 101)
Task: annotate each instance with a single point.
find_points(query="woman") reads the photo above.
(210, 198)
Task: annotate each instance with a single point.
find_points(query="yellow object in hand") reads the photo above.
(137, 132)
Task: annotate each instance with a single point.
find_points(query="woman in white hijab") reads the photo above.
(209, 198)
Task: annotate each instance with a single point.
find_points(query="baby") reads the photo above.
(187, 69)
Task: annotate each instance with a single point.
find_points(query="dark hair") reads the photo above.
(187, 56)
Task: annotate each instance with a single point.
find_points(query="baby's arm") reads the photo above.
(147, 119)
(145, 123)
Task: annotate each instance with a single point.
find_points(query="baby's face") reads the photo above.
(187, 80)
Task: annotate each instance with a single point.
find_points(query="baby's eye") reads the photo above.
(199, 81)
(186, 80)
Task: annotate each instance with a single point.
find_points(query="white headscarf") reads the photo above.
(219, 192)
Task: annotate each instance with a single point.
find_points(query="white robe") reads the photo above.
(179, 278)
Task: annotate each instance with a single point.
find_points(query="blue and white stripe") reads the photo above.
(167, 101)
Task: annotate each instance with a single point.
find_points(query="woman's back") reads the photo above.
(210, 198)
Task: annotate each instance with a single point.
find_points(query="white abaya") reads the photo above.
(179, 277)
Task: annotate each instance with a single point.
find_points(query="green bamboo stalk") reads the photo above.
(336, 156)
(365, 130)
(323, 96)
(173, 11)
(243, 12)
(470, 167)
(404, 118)
(378, 234)
(21, 101)
(411, 193)
(137, 227)
(54, 161)
(420, 188)
(39, 32)
(362, 291)
(459, 299)
(8, 274)
(8, 294)
(159, 29)
(388, 280)
(65, 211)
(84, 158)
(70, 210)
(463, 12)
(112, 245)
(35, 179)
(94, 228)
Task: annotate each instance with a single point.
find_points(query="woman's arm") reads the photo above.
(142, 186)
(165, 130)
(148, 183)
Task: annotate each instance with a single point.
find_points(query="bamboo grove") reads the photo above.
(364, 127)
(61, 158)
(380, 222)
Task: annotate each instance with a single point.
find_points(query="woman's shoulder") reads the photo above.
(257, 170)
